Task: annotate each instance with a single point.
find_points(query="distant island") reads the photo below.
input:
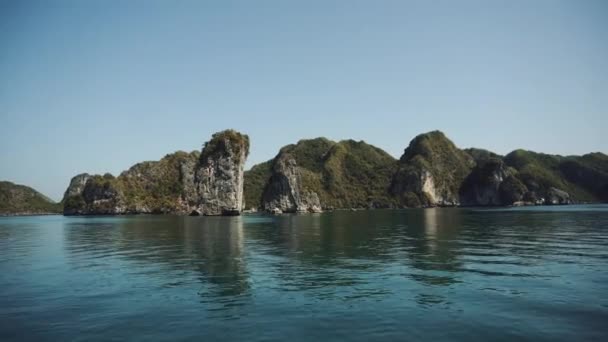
(18, 199)
(319, 174)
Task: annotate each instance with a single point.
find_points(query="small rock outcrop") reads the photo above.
(284, 192)
(512, 190)
(557, 196)
(200, 183)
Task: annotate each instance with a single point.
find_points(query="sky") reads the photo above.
(96, 86)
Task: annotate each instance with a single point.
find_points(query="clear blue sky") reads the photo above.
(96, 86)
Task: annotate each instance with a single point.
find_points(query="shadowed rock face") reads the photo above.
(206, 183)
(73, 200)
(557, 196)
(93, 194)
(284, 191)
(483, 185)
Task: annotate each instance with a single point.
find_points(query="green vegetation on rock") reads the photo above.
(151, 186)
(18, 199)
(343, 174)
(590, 172)
(255, 181)
(156, 186)
(481, 155)
(320, 173)
(585, 178)
(208, 183)
(431, 171)
(218, 144)
(356, 174)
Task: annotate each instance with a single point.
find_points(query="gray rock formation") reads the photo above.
(98, 195)
(482, 186)
(491, 183)
(284, 192)
(104, 197)
(77, 184)
(431, 171)
(73, 200)
(557, 196)
(187, 170)
(206, 183)
(219, 177)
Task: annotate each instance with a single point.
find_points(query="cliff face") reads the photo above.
(285, 191)
(103, 195)
(434, 172)
(319, 173)
(18, 199)
(491, 183)
(219, 176)
(431, 172)
(207, 183)
(147, 187)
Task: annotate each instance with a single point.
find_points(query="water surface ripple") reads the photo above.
(435, 274)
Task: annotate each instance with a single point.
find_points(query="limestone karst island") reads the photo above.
(314, 175)
(335, 171)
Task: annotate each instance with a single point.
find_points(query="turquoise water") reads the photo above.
(538, 273)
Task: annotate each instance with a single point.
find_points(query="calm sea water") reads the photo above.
(437, 274)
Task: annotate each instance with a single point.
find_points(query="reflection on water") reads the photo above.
(480, 274)
(433, 249)
(213, 247)
(323, 252)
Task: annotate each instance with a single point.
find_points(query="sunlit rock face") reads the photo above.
(77, 184)
(431, 172)
(284, 191)
(219, 176)
(204, 183)
(73, 203)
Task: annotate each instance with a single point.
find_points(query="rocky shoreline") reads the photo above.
(27, 214)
